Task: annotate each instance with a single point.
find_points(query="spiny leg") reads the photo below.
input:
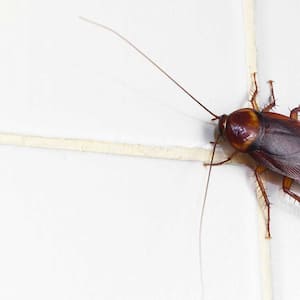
(286, 185)
(223, 161)
(258, 171)
(272, 100)
(254, 92)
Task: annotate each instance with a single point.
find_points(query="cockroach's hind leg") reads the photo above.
(223, 161)
(258, 171)
(254, 92)
(272, 100)
(286, 185)
(294, 113)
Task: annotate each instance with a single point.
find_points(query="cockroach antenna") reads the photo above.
(151, 61)
(215, 117)
(210, 164)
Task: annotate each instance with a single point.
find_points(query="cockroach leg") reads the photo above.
(214, 142)
(294, 113)
(223, 161)
(254, 92)
(258, 171)
(272, 102)
(286, 185)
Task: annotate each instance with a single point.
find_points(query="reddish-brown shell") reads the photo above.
(241, 128)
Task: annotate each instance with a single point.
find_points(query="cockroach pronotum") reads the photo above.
(271, 139)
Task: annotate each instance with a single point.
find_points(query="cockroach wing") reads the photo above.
(278, 145)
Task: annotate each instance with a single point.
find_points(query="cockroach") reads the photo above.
(271, 139)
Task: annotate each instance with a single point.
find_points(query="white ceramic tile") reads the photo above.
(91, 226)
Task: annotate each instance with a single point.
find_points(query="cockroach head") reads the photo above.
(222, 124)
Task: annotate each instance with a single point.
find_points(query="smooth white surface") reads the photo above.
(87, 226)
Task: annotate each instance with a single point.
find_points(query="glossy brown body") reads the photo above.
(271, 139)
(278, 147)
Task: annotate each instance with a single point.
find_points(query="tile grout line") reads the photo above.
(264, 244)
(107, 147)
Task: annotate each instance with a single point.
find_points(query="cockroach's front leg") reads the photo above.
(223, 161)
(258, 171)
(254, 92)
(272, 101)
